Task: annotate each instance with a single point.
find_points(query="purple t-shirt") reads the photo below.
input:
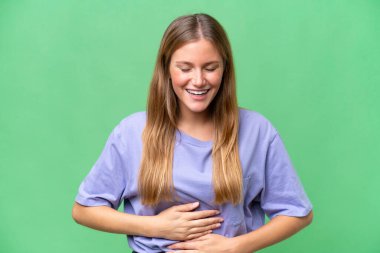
(271, 185)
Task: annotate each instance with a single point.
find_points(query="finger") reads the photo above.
(196, 215)
(201, 237)
(206, 222)
(185, 245)
(187, 207)
(202, 229)
(198, 236)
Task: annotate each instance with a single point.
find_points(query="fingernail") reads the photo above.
(195, 203)
(217, 212)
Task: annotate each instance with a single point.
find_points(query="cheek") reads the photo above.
(215, 79)
(179, 79)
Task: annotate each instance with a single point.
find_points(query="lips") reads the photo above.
(197, 92)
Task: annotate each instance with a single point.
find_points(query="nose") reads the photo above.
(198, 78)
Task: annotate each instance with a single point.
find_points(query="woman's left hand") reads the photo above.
(211, 243)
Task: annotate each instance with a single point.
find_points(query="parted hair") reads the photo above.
(155, 181)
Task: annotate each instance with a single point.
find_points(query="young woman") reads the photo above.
(195, 172)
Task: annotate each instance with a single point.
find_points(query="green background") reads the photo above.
(71, 70)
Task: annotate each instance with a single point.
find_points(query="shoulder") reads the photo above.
(136, 119)
(130, 127)
(252, 122)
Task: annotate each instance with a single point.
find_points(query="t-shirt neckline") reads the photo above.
(183, 137)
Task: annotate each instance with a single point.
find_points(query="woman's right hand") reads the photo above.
(181, 223)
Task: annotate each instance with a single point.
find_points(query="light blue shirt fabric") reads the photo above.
(271, 185)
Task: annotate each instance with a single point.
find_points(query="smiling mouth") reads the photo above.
(197, 92)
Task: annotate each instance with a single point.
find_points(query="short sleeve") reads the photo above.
(283, 193)
(105, 183)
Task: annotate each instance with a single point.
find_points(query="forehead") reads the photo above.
(197, 51)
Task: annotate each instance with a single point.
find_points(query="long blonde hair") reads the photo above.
(155, 179)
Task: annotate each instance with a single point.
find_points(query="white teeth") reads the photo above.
(197, 92)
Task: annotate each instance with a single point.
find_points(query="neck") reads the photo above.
(200, 125)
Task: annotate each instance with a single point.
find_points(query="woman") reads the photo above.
(195, 172)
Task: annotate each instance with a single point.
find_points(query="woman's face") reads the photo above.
(196, 70)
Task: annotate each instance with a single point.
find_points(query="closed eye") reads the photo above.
(212, 67)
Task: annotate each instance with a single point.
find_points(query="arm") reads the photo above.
(276, 230)
(107, 219)
(175, 223)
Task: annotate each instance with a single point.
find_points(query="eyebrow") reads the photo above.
(189, 63)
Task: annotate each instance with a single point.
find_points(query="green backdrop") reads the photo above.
(71, 70)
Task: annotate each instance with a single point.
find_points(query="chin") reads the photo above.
(198, 110)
